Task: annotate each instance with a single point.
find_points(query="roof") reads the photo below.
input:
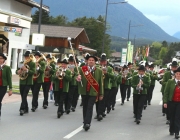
(33, 4)
(62, 32)
(84, 48)
(116, 54)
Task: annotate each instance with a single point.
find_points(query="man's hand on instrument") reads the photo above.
(78, 78)
(19, 71)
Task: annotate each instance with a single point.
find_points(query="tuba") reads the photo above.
(23, 74)
(36, 75)
(60, 73)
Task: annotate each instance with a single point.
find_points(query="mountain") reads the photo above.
(118, 17)
(177, 35)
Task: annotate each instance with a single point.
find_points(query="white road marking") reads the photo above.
(74, 132)
(161, 102)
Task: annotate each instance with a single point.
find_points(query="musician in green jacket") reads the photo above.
(90, 86)
(38, 78)
(62, 77)
(26, 73)
(140, 84)
(154, 77)
(108, 74)
(49, 71)
(172, 101)
(115, 85)
(168, 75)
(126, 76)
(5, 79)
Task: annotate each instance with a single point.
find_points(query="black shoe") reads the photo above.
(21, 112)
(138, 121)
(113, 108)
(171, 133)
(177, 136)
(108, 111)
(122, 103)
(44, 106)
(145, 107)
(33, 109)
(104, 115)
(127, 99)
(86, 127)
(99, 118)
(164, 114)
(59, 114)
(67, 111)
(167, 122)
(73, 109)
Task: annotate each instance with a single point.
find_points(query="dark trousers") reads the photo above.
(129, 91)
(88, 103)
(46, 86)
(61, 96)
(151, 88)
(174, 117)
(55, 93)
(35, 91)
(24, 90)
(138, 102)
(69, 98)
(146, 99)
(3, 90)
(123, 89)
(75, 97)
(56, 97)
(113, 93)
(104, 103)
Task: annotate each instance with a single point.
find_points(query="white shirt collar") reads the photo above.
(141, 75)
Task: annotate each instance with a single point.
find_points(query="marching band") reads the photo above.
(97, 82)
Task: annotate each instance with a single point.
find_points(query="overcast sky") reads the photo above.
(165, 13)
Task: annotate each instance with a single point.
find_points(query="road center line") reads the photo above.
(73, 133)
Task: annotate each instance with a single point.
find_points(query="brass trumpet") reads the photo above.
(23, 74)
(103, 68)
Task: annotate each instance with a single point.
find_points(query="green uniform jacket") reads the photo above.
(166, 77)
(73, 79)
(52, 71)
(108, 76)
(116, 81)
(135, 82)
(169, 90)
(41, 70)
(31, 71)
(66, 79)
(7, 76)
(98, 76)
(153, 77)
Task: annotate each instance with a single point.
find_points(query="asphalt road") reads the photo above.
(119, 124)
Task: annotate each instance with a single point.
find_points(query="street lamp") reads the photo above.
(39, 24)
(107, 3)
(130, 28)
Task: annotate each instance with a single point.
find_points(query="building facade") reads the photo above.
(15, 23)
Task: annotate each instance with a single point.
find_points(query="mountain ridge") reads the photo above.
(118, 17)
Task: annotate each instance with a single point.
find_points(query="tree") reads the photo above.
(162, 53)
(94, 30)
(59, 20)
(45, 17)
